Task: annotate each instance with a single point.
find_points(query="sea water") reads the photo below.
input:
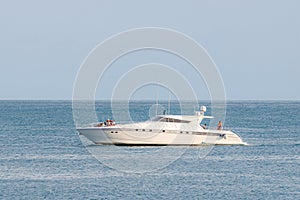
(43, 157)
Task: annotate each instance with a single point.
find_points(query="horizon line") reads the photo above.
(34, 99)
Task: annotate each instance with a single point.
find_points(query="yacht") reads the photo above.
(161, 130)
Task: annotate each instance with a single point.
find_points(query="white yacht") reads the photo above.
(161, 130)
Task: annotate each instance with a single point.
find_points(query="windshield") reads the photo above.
(156, 118)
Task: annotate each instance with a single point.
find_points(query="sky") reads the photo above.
(255, 44)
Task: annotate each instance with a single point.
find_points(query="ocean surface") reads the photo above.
(43, 157)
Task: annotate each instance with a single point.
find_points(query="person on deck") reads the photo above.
(220, 125)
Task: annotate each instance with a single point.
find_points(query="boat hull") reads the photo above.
(118, 136)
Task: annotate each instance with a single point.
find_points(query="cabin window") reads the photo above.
(167, 119)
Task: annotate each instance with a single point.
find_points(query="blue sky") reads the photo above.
(255, 44)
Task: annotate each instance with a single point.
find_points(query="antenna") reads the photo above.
(169, 107)
(156, 102)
